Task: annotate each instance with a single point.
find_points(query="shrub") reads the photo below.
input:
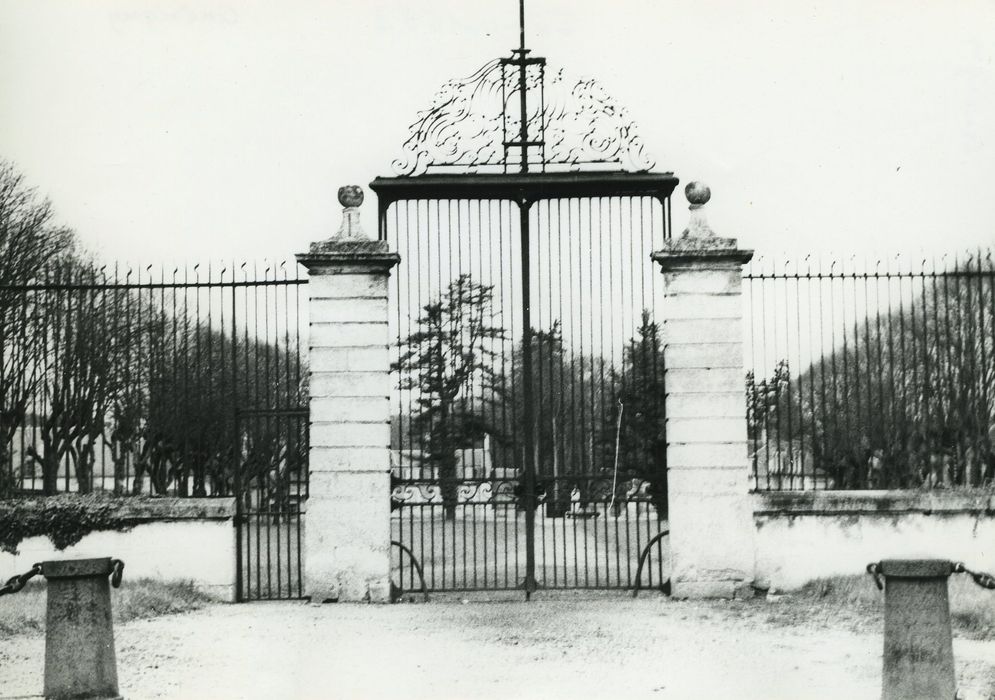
(64, 519)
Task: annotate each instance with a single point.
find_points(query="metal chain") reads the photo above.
(16, 583)
(117, 572)
(981, 578)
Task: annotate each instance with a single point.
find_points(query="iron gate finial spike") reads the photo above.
(521, 24)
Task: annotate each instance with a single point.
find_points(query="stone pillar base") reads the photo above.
(733, 584)
(347, 537)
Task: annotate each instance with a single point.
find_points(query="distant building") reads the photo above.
(788, 465)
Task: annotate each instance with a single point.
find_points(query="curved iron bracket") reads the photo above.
(642, 560)
(421, 575)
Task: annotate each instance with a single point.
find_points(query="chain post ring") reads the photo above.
(875, 571)
(117, 572)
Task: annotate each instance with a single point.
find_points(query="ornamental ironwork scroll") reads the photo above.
(474, 124)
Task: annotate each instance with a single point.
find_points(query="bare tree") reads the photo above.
(908, 403)
(28, 241)
(82, 374)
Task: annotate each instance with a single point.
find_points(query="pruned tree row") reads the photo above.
(905, 400)
(132, 387)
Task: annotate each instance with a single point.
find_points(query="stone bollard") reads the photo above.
(918, 645)
(79, 635)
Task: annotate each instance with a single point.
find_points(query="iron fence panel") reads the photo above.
(163, 382)
(871, 374)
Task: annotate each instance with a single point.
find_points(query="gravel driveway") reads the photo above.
(569, 647)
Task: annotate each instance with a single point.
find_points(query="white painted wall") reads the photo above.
(794, 548)
(202, 551)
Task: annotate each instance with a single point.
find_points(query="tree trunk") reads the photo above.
(6, 475)
(121, 472)
(199, 484)
(559, 498)
(50, 474)
(84, 467)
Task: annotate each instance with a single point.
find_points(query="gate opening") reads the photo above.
(528, 446)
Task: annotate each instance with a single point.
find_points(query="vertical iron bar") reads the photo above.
(240, 515)
(529, 584)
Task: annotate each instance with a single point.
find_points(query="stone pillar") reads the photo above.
(918, 645)
(347, 528)
(710, 518)
(79, 632)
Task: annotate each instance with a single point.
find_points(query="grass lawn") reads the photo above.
(24, 612)
(855, 603)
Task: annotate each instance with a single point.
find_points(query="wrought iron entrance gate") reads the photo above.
(528, 427)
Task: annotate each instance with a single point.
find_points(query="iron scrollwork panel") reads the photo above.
(472, 124)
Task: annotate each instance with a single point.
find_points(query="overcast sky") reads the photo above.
(169, 129)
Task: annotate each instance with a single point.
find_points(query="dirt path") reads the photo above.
(599, 648)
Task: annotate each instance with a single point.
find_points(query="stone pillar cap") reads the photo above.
(357, 255)
(77, 568)
(916, 568)
(685, 251)
(350, 248)
(698, 243)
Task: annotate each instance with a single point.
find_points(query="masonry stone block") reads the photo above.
(350, 359)
(363, 409)
(330, 286)
(714, 540)
(695, 380)
(707, 355)
(706, 455)
(347, 543)
(349, 434)
(703, 430)
(705, 281)
(706, 330)
(362, 310)
(699, 306)
(366, 383)
(344, 335)
(354, 458)
(711, 404)
(685, 482)
(689, 585)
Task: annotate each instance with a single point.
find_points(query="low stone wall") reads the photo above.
(803, 535)
(175, 539)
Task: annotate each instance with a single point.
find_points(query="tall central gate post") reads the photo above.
(347, 533)
(711, 523)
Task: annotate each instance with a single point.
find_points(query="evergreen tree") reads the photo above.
(640, 435)
(448, 363)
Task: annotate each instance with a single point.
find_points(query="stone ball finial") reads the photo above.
(351, 196)
(697, 193)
